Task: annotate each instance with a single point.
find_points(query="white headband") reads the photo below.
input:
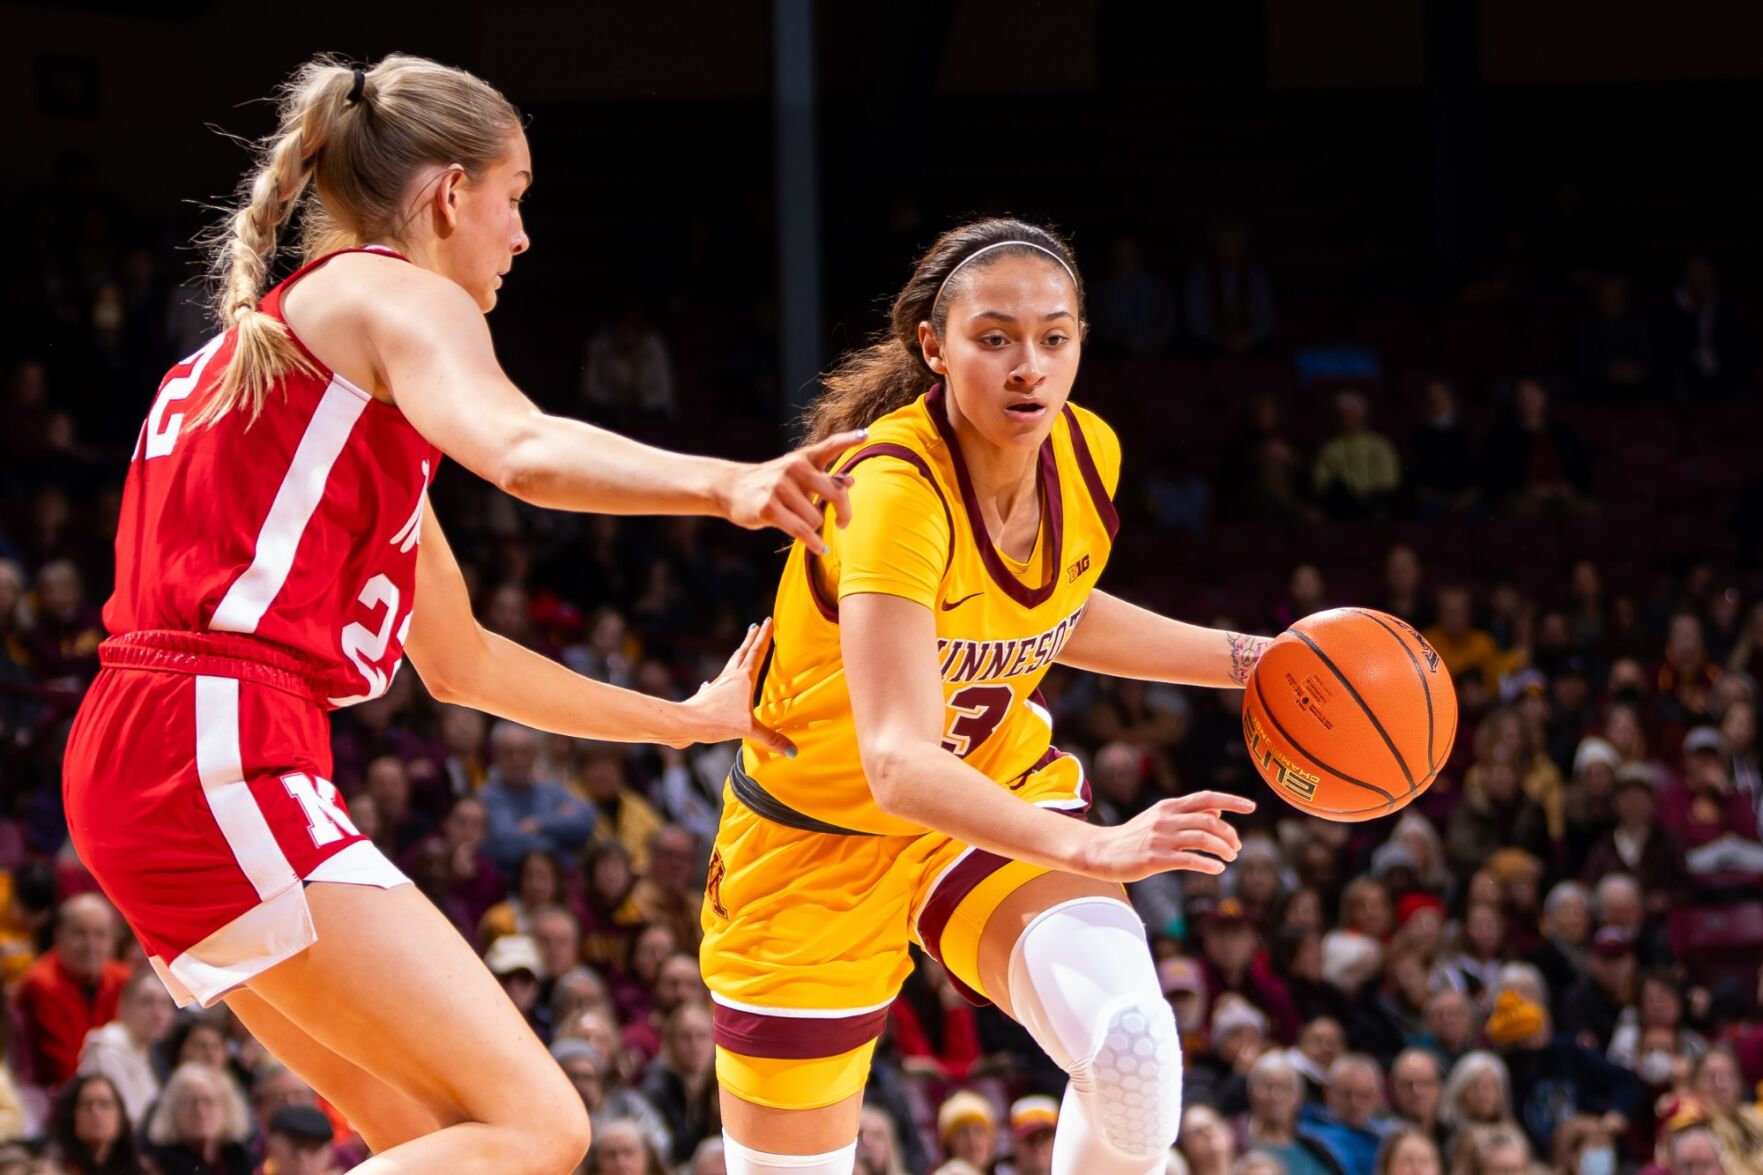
(988, 249)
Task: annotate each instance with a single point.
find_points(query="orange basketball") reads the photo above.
(1350, 714)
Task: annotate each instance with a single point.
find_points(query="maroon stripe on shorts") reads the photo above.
(791, 1038)
(974, 868)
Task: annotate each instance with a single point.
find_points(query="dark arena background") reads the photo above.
(1447, 308)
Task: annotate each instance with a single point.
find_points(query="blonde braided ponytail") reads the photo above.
(244, 246)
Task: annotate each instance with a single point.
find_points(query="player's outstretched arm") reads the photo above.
(889, 649)
(1125, 640)
(462, 663)
(431, 345)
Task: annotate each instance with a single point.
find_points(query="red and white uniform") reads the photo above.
(265, 574)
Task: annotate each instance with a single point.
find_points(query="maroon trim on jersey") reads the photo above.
(966, 875)
(830, 608)
(793, 1038)
(1052, 514)
(1086, 465)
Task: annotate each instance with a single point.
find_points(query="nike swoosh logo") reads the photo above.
(950, 606)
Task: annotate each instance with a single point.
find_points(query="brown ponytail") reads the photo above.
(360, 146)
(891, 372)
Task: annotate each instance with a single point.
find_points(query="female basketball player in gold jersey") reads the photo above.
(926, 802)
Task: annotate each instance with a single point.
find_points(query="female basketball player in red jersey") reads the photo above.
(927, 802)
(276, 558)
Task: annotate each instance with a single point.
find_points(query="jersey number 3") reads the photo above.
(978, 711)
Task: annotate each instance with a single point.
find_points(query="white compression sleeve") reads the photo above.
(1083, 983)
(741, 1161)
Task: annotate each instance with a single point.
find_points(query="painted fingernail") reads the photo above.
(790, 753)
(824, 550)
(846, 479)
(863, 434)
(751, 627)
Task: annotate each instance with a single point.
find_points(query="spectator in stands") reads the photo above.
(671, 890)
(1119, 775)
(586, 1068)
(619, 811)
(1274, 477)
(1567, 931)
(69, 991)
(401, 826)
(524, 812)
(122, 1050)
(199, 1126)
(1238, 1037)
(605, 655)
(879, 1142)
(1477, 1093)
(1715, 825)
(1132, 310)
(1352, 1123)
(557, 936)
(1684, 682)
(627, 376)
(1306, 593)
(1321, 1043)
(1442, 475)
(612, 916)
(1205, 1140)
(1229, 300)
(299, 1142)
(538, 882)
(1463, 647)
(453, 869)
(1450, 1025)
(514, 960)
(1033, 1120)
(1694, 1151)
(622, 1149)
(1705, 341)
(1590, 1009)
(1493, 1150)
(1651, 1035)
(1417, 1084)
(1272, 1123)
(1408, 1151)
(1230, 943)
(1495, 812)
(1553, 1077)
(63, 643)
(1533, 463)
(90, 1132)
(1404, 592)
(967, 1129)
(462, 733)
(1357, 471)
(1615, 359)
(1589, 806)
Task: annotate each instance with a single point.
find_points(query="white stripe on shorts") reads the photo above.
(229, 796)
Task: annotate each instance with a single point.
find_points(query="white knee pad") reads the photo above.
(1083, 983)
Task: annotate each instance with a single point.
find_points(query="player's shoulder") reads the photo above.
(1099, 443)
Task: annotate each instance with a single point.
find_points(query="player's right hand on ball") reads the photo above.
(722, 709)
(1188, 832)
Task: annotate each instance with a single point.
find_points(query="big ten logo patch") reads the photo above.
(1313, 696)
(1077, 569)
(713, 884)
(1284, 773)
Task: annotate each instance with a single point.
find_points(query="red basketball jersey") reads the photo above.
(299, 528)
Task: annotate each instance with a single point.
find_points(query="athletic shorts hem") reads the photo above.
(270, 933)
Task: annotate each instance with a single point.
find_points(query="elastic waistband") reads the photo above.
(215, 654)
(767, 806)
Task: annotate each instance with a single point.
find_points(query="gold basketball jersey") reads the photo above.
(916, 532)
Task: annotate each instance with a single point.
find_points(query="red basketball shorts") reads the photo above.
(198, 793)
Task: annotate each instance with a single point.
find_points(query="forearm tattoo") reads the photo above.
(1245, 651)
